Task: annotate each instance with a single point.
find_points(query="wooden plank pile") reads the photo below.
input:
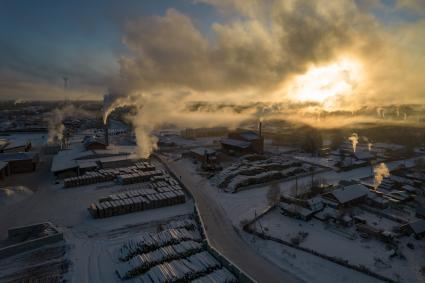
(141, 263)
(138, 176)
(138, 200)
(220, 275)
(141, 171)
(188, 224)
(90, 178)
(181, 270)
(152, 241)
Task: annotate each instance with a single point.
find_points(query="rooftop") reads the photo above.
(250, 136)
(236, 143)
(350, 193)
(17, 156)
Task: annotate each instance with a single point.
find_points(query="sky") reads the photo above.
(214, 50)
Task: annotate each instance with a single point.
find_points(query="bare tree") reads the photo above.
(273, 194)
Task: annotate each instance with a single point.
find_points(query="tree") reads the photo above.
(337, 139)
(273, 194)
(312, 141)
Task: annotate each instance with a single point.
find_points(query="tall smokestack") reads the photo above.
(259, 128)
(106, 132)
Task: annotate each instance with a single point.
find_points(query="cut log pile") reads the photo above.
(188, 224)
(139, 172)
(151, 241)
(220, 275)
(141, 263)
(137, 200)
(182, 270)
(171, 256)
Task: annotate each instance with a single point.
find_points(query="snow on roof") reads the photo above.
(86, 164)
(202, 150)
(250, 136)
(297, 209)
(17, 156)
(92, 140)
(65, 159)
(236, 143)
(350, 193)
(364, 155)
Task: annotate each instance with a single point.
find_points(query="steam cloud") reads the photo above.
(381, 171)
(255, 57)
(354, 139)
(55, 121)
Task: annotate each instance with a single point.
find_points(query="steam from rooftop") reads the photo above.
(381, 171)
(354, 139)
(55, 121)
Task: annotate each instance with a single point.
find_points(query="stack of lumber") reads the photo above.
(182, 270)
(152, 241)
(141, 263)
(134, 201)
(140, 171)
(220, 275)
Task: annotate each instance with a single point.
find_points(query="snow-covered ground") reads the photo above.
(91, 241)
(307, 267)
(36, 139)
(338, 243)
(245, 204)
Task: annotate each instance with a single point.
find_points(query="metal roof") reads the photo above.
(250, 136)
(350, 193)
(236, 143)
(202, 150)
(17, 156)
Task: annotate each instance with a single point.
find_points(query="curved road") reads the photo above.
(223, 237)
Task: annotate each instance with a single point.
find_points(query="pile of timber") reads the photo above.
(143, 168)
(90, 178)
(182, 270)
(148, 242)
(134, 201)
(220, 275)
(141, 263)
(188, 224)
(138, 177)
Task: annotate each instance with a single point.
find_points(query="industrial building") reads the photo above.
(14, 146)
(20, 162)
(243, 142)
(91, 143)
(203, 132)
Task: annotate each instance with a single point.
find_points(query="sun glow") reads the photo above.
(326, 84)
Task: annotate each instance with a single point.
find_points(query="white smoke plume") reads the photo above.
(55, 121)
(354, 139)
(381, 171)
(369, 143)
(261, 53)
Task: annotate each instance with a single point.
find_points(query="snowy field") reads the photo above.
(344, 243)
(36, 139)
(90, 242)
(246, 204)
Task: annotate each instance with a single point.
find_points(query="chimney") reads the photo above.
(107, 132)
(259, 128)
